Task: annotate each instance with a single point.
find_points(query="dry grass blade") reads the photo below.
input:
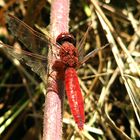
(110, 121)
(111, 39)
(121, 65)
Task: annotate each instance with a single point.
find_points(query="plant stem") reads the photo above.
(55, 89)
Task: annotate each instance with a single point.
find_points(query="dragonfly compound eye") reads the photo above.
(65, 37)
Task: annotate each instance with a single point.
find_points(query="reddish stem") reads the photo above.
(55, 89)
(59, 17)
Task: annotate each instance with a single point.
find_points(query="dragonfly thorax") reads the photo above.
(69, 55)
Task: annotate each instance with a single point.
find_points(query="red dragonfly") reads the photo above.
(69, 60)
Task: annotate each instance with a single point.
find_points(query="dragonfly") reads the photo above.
(69, 60)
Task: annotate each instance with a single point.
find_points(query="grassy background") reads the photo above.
(109, 81)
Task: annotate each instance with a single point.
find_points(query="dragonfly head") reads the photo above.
(65, 36)
(69, 55)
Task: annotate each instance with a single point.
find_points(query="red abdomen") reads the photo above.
(75, 96)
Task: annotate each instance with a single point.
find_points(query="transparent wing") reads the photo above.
(33, 40)
(92, 54)
(81, 44)
(37, 62)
